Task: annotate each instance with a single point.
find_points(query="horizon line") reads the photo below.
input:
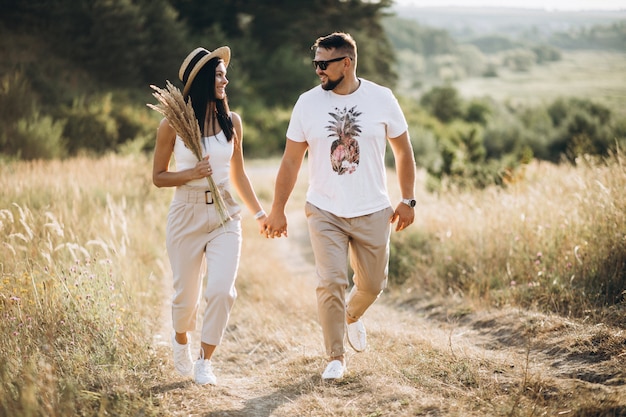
(516, 7)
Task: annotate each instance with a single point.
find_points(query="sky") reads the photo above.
(528, 4)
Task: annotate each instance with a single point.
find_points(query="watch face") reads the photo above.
(412, 203)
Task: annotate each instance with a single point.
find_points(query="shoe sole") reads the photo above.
(213, 383)
(352, 346)
(355, 349)
(190, 373)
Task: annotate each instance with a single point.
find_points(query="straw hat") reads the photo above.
(195, 60)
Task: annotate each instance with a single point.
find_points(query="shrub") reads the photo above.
(17, 100)
(443, 102)
(90, 126)
(406, 251)
(582, 131)
(477, 112)
(494, 43)
(39, 137)
(520, 60)
(463, 161)
(264, 130)
(546, 53)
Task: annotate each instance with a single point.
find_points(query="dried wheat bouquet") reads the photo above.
(180, 115)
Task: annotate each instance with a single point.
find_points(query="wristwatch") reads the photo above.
(409, 202)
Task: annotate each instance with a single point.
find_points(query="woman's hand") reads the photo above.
(202, 169)
(261, 222)
(275, 225)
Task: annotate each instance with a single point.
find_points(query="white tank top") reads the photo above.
(220, 152)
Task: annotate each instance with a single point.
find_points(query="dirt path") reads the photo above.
(425, 357)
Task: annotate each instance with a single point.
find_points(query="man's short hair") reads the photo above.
(340, 41)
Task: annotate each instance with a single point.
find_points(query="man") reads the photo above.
(344, 124)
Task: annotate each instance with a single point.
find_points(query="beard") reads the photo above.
(331, 84)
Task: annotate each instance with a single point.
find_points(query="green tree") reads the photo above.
(83, 50)
(407, 34)
(581, 127)
(443, 103)
(492, 44)
(274, 39)
(477, 112)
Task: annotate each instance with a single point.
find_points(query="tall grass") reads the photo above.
(80, 265)
(553, 240)
(82, 262)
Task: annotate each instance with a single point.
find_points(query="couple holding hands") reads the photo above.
(344, 124)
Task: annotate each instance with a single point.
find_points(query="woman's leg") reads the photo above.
(222, 257)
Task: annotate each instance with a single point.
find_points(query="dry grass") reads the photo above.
(429, 354)
(80, 256)
(553, 241)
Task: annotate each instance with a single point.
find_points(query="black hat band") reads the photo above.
(192, 64)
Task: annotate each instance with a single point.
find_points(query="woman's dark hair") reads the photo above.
(202, 95)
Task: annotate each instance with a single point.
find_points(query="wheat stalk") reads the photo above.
(180, 115)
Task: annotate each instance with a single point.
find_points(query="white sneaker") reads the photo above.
(357, 338)
(334, 370)
(182, 357)
(203, 372)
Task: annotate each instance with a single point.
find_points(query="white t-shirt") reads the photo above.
(346, 137)
(220, 151)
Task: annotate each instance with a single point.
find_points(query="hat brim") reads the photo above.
(223, 52)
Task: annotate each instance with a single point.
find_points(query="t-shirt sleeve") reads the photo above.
(397, 122)
(295, 129)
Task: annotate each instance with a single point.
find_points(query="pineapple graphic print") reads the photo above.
(344, 151)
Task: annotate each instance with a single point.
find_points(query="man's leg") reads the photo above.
(330, 247)
(369, 256)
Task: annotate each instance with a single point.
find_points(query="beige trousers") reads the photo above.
(365, 239)
(198, 246)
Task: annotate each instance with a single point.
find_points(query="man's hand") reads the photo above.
(275, 225)
(404, 215)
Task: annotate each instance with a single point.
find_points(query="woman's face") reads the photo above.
(220, 81)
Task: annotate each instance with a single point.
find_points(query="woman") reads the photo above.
(197, 241)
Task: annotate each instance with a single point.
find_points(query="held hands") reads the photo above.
(404, 215)
(274, 225)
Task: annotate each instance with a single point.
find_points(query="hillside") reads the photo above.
(465, 22)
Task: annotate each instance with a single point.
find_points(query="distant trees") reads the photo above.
(120, 43)
(480, 143)
(272, 40)
(97, 55)
(443, 103)
(75, 75)
(611, 36)
(407, 34)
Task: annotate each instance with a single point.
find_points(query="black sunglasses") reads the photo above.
(324, 64)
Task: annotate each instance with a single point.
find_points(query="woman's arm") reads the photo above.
(238, 175)
(163, 149)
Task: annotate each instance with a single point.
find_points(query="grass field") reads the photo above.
(597, 75)
(85, 288)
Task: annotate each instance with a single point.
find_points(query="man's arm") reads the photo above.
(405, 169)
(276, 222)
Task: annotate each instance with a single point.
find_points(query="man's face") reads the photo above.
(333, 75)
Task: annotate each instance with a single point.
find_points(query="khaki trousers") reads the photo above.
(197, 245)
(366, 240)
